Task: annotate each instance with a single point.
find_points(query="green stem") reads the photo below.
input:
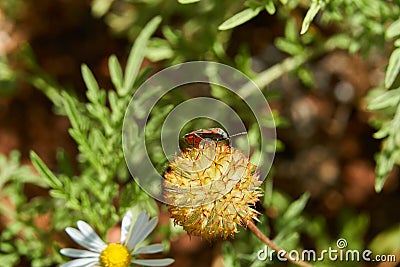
(271, 74)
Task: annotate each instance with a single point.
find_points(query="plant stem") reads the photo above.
(273, 73)
(272, 245)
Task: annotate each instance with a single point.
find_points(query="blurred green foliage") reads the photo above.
(193, 30)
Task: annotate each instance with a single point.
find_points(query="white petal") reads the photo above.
(79, 238)
(158, 262)
(141, 233)
(126, 224)
(155, 248)
(90, 234)
(88, 262)
(78, 253)
(140, 223)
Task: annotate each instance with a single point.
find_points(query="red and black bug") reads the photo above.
(194, 138)
(217, 135)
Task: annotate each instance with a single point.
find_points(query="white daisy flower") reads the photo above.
(121, 254)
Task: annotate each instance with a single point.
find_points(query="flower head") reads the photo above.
(212, 189)
(121, 254)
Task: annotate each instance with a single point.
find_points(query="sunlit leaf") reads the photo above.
(390, 98)
(240, 18)
(115, 72)
(188, 1)
(296, 207)
(270, 7)
(393, 68)
(393, 30)
(91, 84)
(137, 54)
(311, 13)
(43, 170)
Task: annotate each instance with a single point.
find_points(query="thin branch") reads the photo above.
(289, 64)
(272, 245)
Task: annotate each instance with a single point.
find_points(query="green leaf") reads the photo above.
(311, 13)
(91, 84)
(386, 242)
(291, 32)
(9, 259)
(101, 7)
(390, 98)
(393, 30)
(384, 165)
(289, 47)
(172, 35)
(45, 171)
(354, 46)
(270, 7)
(188, 1)
(296, 207)
(240, 18)
(159, 49)
(115, 72)
(137, 54)
(393, 68)
(113, 100)
(306, 76)
(71, 110)
(383, 132)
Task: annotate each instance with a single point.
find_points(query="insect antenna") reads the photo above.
(236, 134)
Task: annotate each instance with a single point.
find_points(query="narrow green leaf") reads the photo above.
(306, 77)
(101, 7)
(240, 18)
(115, 72)
(113, 100)
(57, 194)
(188, 1)
(383, 132)
(159, 49)
(71, 111)
(51, 91)
(384, 165)
(91, 84)
(311, 13)
(172, 35)
(43, 170)
(98, 140)
(287, 46)
(291, 31)
(296, 207)
(270, 7)
(390, 98)
(137, 54)
(393, 68)
(393, 30)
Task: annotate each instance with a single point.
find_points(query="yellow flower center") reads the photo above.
(115, 255)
